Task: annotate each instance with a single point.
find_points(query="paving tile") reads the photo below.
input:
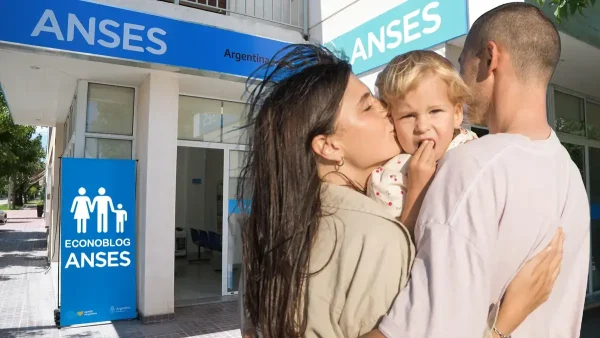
(27, 298)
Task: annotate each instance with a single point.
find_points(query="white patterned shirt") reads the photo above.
(388, 184)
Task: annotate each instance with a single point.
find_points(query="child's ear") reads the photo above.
(458, 115)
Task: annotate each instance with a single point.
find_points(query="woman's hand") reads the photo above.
(421, 169)
(531, 287)
(249, 333)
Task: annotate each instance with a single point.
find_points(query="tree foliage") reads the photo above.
(20, 152)
(563, 9)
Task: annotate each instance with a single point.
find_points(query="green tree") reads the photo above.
(565, 8)
(20, 152)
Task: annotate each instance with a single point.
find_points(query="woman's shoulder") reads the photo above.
(361, 221)
(353, 214)
(353, 206)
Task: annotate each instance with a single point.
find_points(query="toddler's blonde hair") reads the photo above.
(405, 72)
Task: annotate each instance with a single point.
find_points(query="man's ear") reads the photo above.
(458, 115)
(492, 57)
(327, 148)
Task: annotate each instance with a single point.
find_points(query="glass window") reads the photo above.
(199, 119)
(569, 113)
(110, 109)
(233, 123)
(107, 148)
(593, 120)
(594, 159)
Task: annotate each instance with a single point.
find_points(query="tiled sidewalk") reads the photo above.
(27, 299)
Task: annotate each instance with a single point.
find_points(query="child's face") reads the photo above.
(426, 113)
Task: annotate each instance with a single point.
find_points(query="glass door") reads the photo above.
(233, 215)
(198, 225)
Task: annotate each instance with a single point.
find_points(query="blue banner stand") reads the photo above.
(97, 275)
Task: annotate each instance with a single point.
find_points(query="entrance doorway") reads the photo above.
(207, 222)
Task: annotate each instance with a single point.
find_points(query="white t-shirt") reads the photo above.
(494, 203)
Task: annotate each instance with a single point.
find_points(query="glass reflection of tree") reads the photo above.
(108, 149)
(577, 155)
(113, 110)
(572, 127)
(577, 128)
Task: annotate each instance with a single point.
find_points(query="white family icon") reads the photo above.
(82, 206)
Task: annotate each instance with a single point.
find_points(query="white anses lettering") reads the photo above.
(88, 34)
(379, 43)
(390, 36)
(53, 28)
(408, 26)
(100, 259)
(116, 40)
(129, 36)
(152, 37)
(132, 37)
(392, 33)
(432, 18)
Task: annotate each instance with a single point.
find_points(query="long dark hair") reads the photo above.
(297, 99)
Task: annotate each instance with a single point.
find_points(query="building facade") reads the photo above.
(163, 82)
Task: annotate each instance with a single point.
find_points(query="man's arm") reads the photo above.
(449, 290)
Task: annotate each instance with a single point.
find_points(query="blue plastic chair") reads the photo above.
(200, 238)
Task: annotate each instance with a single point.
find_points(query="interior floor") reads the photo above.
(196, 280)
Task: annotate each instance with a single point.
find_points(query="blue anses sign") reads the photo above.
(96, 29)
(413, 25)
(97, 257)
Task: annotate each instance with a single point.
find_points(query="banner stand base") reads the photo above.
(57, 318)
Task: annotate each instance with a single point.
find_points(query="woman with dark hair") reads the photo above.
(321, 259)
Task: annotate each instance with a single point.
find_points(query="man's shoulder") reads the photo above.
(478, 153)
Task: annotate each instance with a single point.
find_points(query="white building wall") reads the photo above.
(55, 150)
(237, 23)
(330, 19)
(156, 145)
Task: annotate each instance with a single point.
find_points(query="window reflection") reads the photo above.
(594, 159)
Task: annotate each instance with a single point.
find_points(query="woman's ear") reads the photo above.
(327, 148)
(458, 115)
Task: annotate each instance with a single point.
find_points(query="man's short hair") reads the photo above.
(524, 30)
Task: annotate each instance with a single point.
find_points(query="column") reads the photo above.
(156, 150)
(53, 189)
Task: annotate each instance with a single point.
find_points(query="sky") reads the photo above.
(44, 132)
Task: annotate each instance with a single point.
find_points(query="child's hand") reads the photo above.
(421, 168)
(420, 172)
